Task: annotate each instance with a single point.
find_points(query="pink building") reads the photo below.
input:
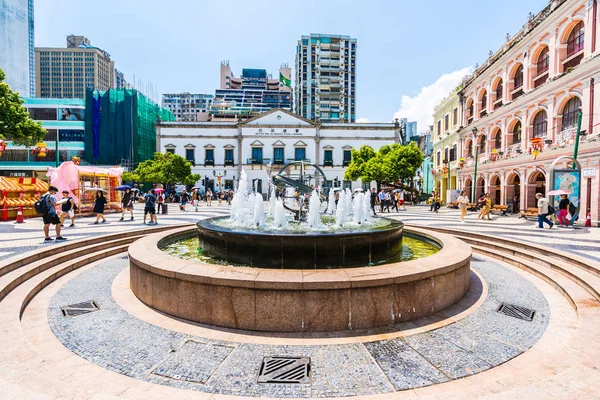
(532, 88)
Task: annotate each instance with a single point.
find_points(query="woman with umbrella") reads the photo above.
(99, 204)
(127, 203)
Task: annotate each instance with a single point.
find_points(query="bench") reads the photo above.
(453, 204)
(500, 209)
(529, 212)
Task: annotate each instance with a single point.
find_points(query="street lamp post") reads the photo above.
(476, 157)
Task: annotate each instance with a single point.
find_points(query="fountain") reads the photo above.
(298, 270)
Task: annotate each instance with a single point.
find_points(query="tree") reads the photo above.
(15, 124)
(357, 166)
(392, 163)
(165, 168)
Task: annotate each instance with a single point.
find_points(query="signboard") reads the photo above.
(279, 132)
(589, 172)
(569, 180)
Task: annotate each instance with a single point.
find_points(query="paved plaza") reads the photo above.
(470, 350)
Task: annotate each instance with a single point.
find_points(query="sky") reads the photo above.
(410, 54)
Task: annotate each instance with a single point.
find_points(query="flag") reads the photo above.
(286, 82)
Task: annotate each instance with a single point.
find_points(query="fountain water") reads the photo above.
(357, 208)
(341, 213)
(259, 210)
(279, 215)
(314, 211)
(272, 200)
(367, 208)
(331, 202)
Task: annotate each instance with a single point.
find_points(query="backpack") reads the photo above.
(41, 206)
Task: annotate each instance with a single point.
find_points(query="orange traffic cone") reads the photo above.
(20, 219)
(588, 221)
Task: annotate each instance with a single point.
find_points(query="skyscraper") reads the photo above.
(326, 78)
(253, 93)
(68, 72)
(16, 45)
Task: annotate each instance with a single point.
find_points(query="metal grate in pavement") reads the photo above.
(80, 308)
(516, 311)
(284, 370)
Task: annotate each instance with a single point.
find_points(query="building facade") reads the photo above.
(17, 57)
(120, 82)
(63, 120)
(265, 144)
(69, 72)
(188, 106)
(409, 129)
(325, 88)
(533, 88)
(447, 118)
(253, 93)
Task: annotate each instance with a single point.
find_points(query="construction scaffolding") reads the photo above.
(120, 127)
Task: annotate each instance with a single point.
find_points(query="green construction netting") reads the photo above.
(120, 127)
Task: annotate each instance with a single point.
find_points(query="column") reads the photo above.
(596, 101)
(522, 188)
(239, 151)
(585, 105)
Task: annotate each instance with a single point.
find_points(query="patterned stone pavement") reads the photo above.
(116, 340)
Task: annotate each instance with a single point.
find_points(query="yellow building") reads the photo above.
(446, 141)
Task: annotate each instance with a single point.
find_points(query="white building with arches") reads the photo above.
(264, 144)
(534, 88)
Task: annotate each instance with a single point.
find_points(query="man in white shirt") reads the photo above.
(542, 205)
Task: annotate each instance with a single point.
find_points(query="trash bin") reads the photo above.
(164, 208)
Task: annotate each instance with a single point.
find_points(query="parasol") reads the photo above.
(96, 190)
(158, 190)
(122, 187)
(558, 192)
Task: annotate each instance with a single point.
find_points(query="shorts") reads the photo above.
(149, 210)
(51, 219)
(401, 202)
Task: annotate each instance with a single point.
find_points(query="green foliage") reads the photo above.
(163, 168)
(15, 124)
(358, 164)
(392, 163)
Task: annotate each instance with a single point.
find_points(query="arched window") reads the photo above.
(540, 125)
(498, 140)
(575, 40)
(516, 133)
(483, 110)
(470, 111)
(543, 62)
(481, 145)
(469, 148)
(499, 92)
(518, 82)
(570, 112)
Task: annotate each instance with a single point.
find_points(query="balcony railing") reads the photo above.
(346, 163)
(278, 161)
(229, 163)
(258, 161)
(209, 162)
(328, 163)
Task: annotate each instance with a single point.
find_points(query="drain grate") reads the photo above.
(80, 308)
(285, 370)
(516, 311)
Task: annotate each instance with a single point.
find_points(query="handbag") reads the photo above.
(551, 210)
(569, 216)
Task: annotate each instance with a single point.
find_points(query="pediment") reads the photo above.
(279, 116)
(328, 147)
(279, 143)
(229, 146)
(209, 146)
(190, 146)
(300, 143)
(347, 147)
(170, 146)
(257, 143)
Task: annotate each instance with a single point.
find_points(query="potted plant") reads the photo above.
(461, 162)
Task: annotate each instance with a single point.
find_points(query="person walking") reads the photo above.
(99, 204)
(436, 203)
(220, 197)
(387, 199)
(394, 200)
(543, 210)
(184, 199)
(160, 203)
(150, 199)
(563, 210)
(127, 204)
(50, 217)
(486, 207)
(401, 200)
(68, 209)
(209, 195)
(463, 204)
(432, 201)
(196, 199)
(373, 200)
(381, 199)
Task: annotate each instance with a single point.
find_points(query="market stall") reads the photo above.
(81, 181)
(20, 192)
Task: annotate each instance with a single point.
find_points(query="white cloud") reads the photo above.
(420, 107)
(363, 120)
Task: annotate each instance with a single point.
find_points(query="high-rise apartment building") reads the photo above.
(409, 129)
(68, 72)
(253, 93)
(17, 46)
(120, 82)
(188, 106)
(326, 78)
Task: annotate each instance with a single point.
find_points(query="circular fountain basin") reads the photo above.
(306, 300)
(282, 249)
